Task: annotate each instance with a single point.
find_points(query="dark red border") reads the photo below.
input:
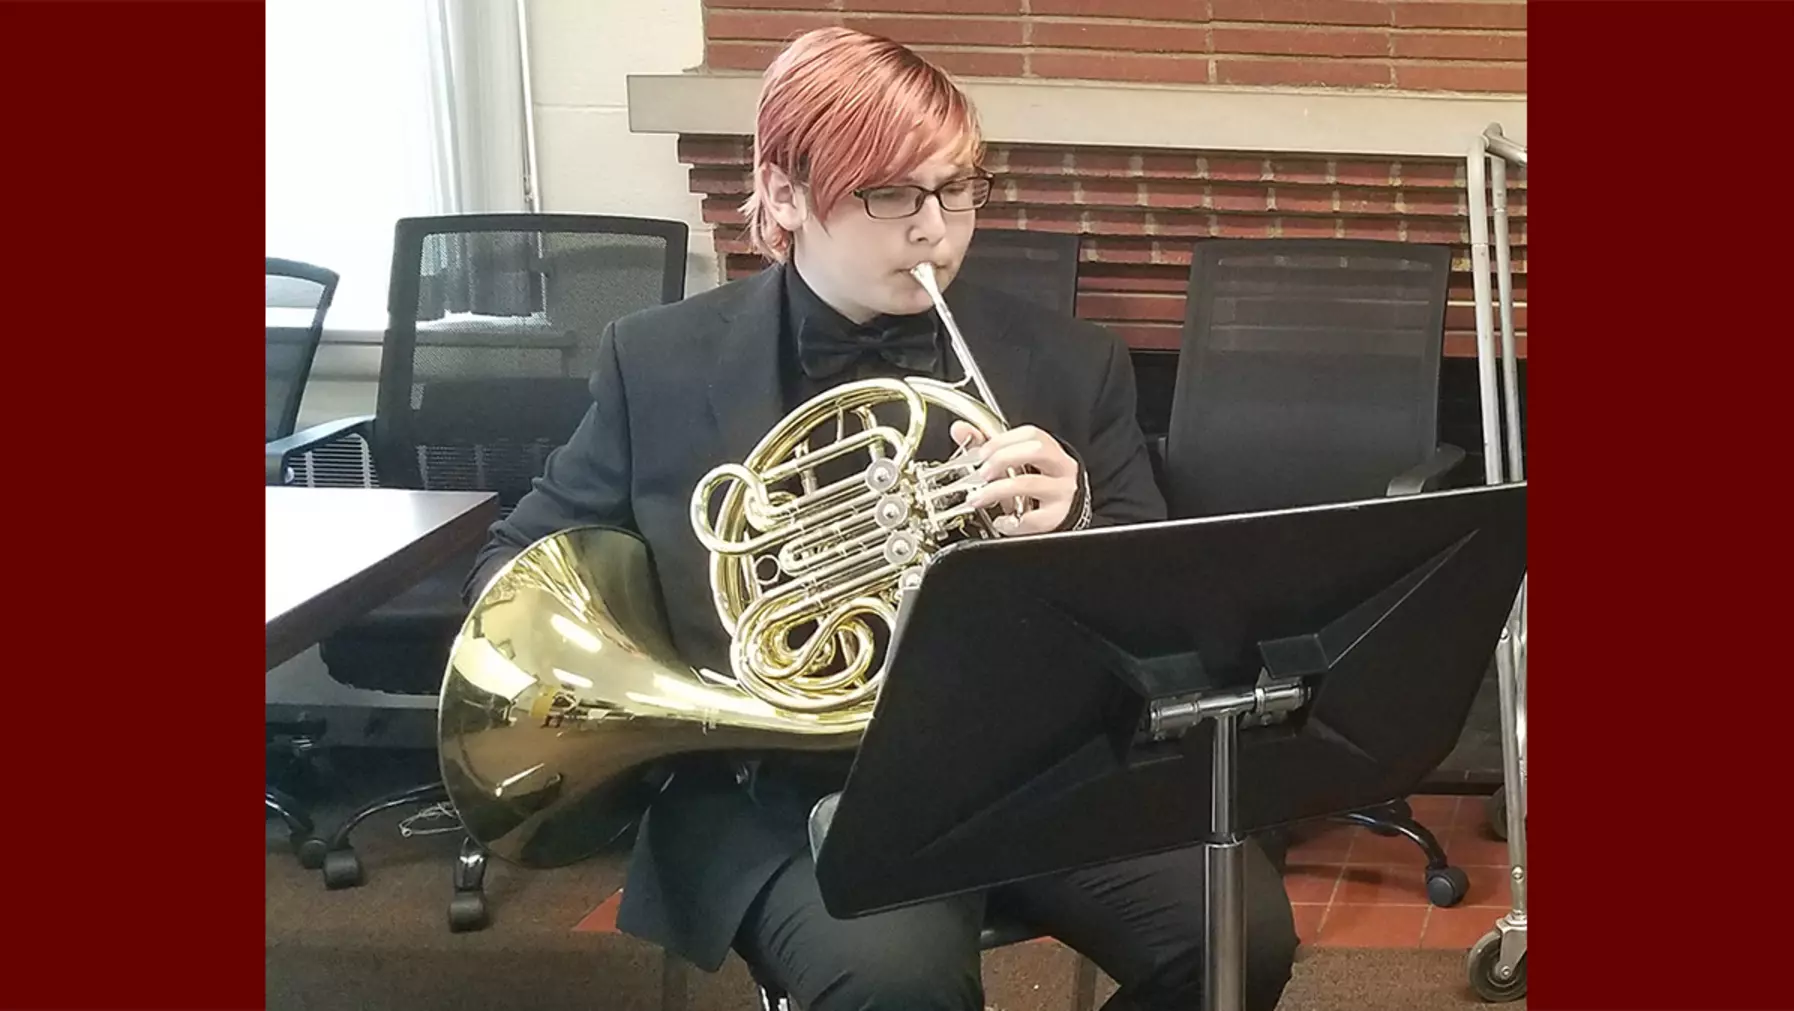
(132, 175)
(1659, 716)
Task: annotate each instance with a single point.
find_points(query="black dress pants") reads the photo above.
(1140, 920)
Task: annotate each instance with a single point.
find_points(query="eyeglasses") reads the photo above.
(967, 193)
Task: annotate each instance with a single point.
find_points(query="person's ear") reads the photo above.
(783, 198)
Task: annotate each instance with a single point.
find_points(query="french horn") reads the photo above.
(564, 696)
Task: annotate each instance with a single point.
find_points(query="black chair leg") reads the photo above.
(300, 830)
(467, 909)
(342, 868)
(1445, 885)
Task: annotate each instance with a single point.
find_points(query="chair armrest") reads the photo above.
(304, 441)
(1427, 475)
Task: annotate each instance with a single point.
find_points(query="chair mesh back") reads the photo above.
(495, 324)
(298, 297)
(1039, 266)
(1309, 372)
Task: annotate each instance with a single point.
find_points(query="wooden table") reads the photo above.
(334, 554)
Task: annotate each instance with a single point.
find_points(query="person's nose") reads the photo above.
(929, 225)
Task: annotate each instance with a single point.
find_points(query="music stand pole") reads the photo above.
(1224, 979)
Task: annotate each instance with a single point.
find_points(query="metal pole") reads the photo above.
(1504, 278)
(1474, 176)
(1224, 984)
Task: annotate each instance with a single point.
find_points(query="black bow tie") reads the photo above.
(906, 342)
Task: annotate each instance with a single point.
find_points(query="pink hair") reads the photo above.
(841, 110)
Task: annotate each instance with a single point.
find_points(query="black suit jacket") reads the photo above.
(682, 388)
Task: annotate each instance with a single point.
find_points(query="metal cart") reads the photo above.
(1496, 964)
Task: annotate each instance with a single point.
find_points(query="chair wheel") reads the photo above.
(311, 852)
(1495, 810)
(1482, 965)
(342, 869)
(1447, 886)
(467, 911)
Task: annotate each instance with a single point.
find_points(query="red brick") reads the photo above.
(1106, 249)
(1177, 194)
(1150, 10)
(1038, 191)
(1035, 161)
(1463, 317)
(999, 217)
(1414, 201)
(1121, 67)
(976, 63)
(1107, 222)
(701, 150)
(1446, 77)
(1366, 201)
(1303, 199)
(1240, 226)
(783, 5)
(1459, 46)
(739, 55)
(1443, 14)
(942, 31)
(1299, 227)
(1127, 277)
(1132, 307)
(1114, 35)
(1235, 169)
(1236, 197)
(1173, 224)
(1168, 164)
(1305, 12)
(1067, 220)
(1110, 192)
(1105, 163)
(1334, 73)
(932, 6)
(1444, 230)
(1301, 41)
(1463, 345)
(1362, 173)
(1433, 173)
(1298, 171)
(753, 25)
(720, 180)
(723, 211)
(1374, 228)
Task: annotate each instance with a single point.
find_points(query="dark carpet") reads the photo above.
(386, 945)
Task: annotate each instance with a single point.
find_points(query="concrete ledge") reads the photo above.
(1212, 118)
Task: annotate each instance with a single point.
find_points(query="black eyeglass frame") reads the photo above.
(922, 194)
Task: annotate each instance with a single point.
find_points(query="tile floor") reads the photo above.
(1351, 888)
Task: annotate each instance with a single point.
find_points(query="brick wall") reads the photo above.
(1412, 45)
(1140, 211)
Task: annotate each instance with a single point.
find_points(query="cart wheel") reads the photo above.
(342, 869)
(1495, 810)
(1481, 963)
(311, 853)
(467, 911)
(1447, 886)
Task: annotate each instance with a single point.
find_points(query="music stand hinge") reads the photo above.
(1174, 715)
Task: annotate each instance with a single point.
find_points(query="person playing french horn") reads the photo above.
(867, 180)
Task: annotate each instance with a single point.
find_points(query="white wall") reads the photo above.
(580, 53)
(587, 162)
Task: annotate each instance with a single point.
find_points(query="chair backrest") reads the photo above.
(298, 299)
(493, 329)
(1309, 372)
(1039, 266)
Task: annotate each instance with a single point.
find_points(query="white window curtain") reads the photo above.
(382, 109)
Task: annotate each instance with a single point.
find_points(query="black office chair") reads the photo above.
(1309, 374)
(298, 297)
(1039, 266)
(494, 322)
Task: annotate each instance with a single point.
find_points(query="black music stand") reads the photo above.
(1068, 700)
